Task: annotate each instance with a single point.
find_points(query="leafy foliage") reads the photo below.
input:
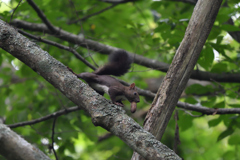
(153, 29)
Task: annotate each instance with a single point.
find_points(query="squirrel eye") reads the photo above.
(135, 93)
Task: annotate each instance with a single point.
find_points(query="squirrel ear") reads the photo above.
(132, 86)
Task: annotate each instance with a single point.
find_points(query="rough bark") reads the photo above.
(138, 59)
(102, 112)
(14, 147)
(179, 72)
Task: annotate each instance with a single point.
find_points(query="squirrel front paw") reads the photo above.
(119, 104)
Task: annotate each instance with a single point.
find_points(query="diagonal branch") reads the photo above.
(138, 59)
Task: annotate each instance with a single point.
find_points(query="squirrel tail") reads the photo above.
(119, 63)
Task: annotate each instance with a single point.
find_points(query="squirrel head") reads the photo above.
(133, 97)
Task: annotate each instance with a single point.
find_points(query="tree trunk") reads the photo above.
(185, 59)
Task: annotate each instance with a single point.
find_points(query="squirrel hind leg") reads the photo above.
(88, 77)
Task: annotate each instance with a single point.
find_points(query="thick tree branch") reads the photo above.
(105, 49)
(14, 147)
(102, 112)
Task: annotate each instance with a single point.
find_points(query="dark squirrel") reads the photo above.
(119, 63)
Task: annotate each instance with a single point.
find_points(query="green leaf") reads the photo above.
(1, 59)
(215, 32)
(191, 100)
(219, 68)
(90, 132)
(229, 155)
(155, 5)
(223, 15)
(229, 121)
(225, 133)
(229, 28)
(219, 39)
(2, 107)
(185, 121)
(214, 122)
(220, 105)
(210, 102)
(234, 105)
(26, 71)
(234, 139)
(199, 89)
(206, 58)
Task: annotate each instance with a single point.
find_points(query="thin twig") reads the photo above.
(189, 113)
(117, 1)
(74, 8)
(59, 46)
(96, 13)
(43, 17)
(185, 1)
(176, 136)
(52, 145)
(208, 111)
(53, 115)
(15, 10)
